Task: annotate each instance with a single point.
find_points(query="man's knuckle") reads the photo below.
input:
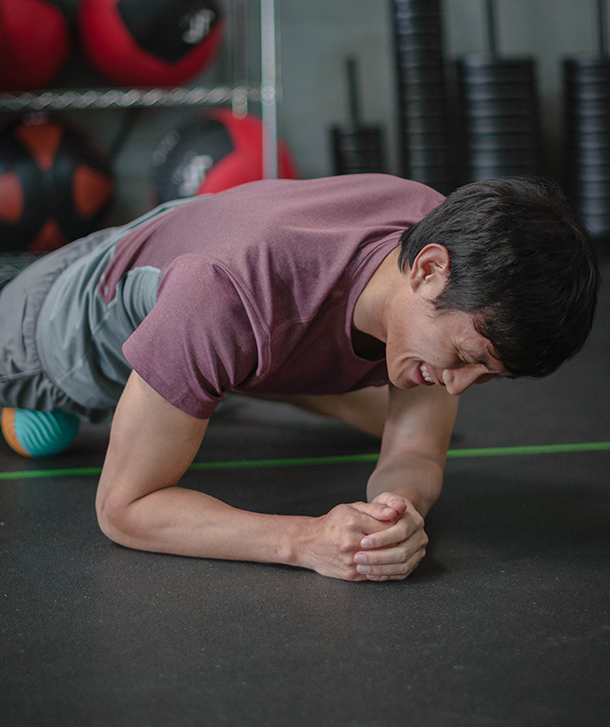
(347, 544)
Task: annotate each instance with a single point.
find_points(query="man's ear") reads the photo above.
(430, 271)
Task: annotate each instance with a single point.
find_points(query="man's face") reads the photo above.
(428, 347)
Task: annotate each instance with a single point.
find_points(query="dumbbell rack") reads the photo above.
(238, 97)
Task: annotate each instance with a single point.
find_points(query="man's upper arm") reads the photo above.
(152, 443)
(419, 420)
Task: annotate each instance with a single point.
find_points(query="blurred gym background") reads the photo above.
(439, 90)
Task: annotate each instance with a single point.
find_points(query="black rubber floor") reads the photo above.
(506, 621)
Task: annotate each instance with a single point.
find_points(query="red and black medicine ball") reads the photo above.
(150, 42)
(34, 43)
(55, 184)
(214, 152)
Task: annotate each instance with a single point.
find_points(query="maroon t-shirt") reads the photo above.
(259, 286)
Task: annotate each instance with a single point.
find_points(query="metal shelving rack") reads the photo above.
(131, 98)
(238, 97)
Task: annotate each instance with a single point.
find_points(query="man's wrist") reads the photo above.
(292, 545)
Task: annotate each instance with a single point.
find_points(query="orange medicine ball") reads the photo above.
(55, 184)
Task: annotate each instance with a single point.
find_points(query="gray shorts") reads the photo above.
(23, 381)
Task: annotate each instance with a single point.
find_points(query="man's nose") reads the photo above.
(458, 380)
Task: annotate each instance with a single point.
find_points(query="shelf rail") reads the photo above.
(237, 97)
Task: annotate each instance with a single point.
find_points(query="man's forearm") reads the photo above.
(186, 522)
(417, 477)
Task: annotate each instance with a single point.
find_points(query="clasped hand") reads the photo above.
(378, 541)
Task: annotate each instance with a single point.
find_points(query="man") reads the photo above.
(363, 297)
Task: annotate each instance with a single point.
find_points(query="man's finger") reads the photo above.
(404, 528)
(377, 510)
(393, 571)
(394, 554)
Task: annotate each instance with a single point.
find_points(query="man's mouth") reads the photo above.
(425, 373)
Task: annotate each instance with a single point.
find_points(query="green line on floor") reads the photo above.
(338, 459)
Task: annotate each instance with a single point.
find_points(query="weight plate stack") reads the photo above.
(587, 105)
(499, 111)
(423, 119)
(357, 149)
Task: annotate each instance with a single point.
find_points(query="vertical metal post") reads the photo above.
(269, 89)
(602, 28)
(492, 33)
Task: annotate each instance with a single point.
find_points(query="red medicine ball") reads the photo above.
(215, 152)
(55, 184)
(150, 42)
(34, 43)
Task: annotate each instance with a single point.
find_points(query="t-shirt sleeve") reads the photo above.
(198, 340)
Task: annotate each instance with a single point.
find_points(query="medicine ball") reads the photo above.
(34, 43)
(214, 152)
(55, 184)
(151, 43)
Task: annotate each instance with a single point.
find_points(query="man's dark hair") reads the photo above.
(520, 263)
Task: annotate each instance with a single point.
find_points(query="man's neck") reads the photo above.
(370, 309)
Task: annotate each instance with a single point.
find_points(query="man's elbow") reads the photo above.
(113, 520)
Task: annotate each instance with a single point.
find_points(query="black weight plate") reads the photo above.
(419, 44)
(480, 61)
(424, 93)
(500, 124)
(417, 6)
(436, 171)
(420, 117)
(441, 181)
(478, 173)
(597, 225)
(428, 157)
(590, 157)
(349, 131)
(357, 152)
(594, 206)
(490, 92)
(590, 141)
(587, 68)
(426, 140)
(589, 175)
(503, 142)
(408, 9)
(423, 106)
(419, 58)
(500, 75)
(421, 76)
(425, 124)
(405, 65)
(406, 25)
(576, 76)
(600, 123)
(496, 72)
(409, 24)
(591, 190)
(589, 107)
(587, 92)
(500, 107)
(485, 77)
(501, 158)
